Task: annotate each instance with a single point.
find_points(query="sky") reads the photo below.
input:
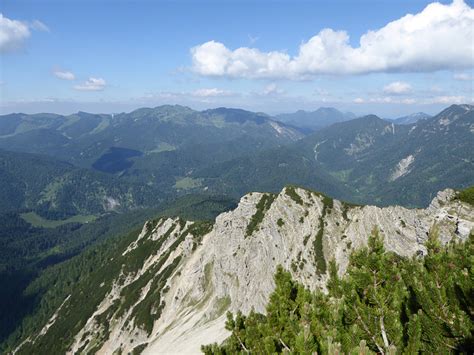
(386, 57)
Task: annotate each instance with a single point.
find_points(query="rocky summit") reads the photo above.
(168, 290)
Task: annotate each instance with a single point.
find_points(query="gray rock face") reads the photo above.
(232, 268)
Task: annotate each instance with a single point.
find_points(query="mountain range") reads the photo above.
(157, 148)
(173, 150)
(365, 160)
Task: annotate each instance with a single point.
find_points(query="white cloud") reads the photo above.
(212, 92)
(358, 100)
(39, 26)
(13, 33)
(64, 75)
(272, 89)
(397, 88)
(463, 76)
(92, 84)
(438, 38)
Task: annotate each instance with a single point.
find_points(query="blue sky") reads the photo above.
(112, 56)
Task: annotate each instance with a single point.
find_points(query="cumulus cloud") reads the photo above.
(438, 38)
(92, 84)
(13, 34)
(397, 88)
(64, 75)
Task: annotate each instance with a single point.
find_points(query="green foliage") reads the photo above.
(318, 248)
(139, 349)
(291, 192)
(38, 221)
(280, 222)
(149, 309)
(383, 304)
(262, 207)
(198, 230)
(328, 202)
(467, 195)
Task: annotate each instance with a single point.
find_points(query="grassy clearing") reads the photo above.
(187, 183)
(38, 221)
(341, 175)
(163, 147)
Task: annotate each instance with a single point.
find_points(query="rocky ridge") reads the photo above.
(187, 275)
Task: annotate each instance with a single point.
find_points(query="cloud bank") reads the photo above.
(438, 38)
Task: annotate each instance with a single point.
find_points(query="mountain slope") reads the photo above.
(365, 160)
(167, 288)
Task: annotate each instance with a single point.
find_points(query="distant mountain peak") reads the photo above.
(411, 118)
(467, 107)
(314, 120)
(370, 118)
(419, 114)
